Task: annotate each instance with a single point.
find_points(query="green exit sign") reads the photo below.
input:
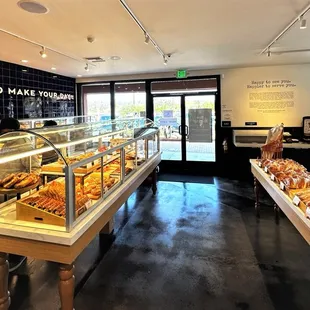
(181, 74)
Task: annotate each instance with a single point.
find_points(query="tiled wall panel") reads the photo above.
(32, 93)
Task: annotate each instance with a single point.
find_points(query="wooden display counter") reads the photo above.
(63, 247)
(282, 200)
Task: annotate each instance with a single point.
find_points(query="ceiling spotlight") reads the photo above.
(115, 58)
(43, 53)
(268, 53)
(303, 23)
(86, 67)
(53, 68)
(147, 38)
(165, 57)
(24, 60)
(79, 75)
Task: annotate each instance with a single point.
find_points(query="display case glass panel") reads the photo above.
(54, 177)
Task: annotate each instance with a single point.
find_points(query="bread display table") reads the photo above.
(281, 198)
(61, 246)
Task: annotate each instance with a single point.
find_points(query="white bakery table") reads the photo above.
(281, 199)
(63, 247)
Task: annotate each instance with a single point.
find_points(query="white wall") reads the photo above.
(265, 95)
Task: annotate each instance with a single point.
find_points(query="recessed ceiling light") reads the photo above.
(53, 68)
(79, 75)
(24, 60)
(32, 7)
(115, 58)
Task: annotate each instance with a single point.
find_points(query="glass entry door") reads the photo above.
(200, 128)
(167, 116)
(187, 127)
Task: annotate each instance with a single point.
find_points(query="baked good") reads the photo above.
(7, 179)
(27, 180)
(19, 180)
(73, 159)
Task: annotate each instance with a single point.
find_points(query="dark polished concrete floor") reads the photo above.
(192, 246)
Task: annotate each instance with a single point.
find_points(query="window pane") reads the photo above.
(98, 104)
(97, 100)
(130, 100)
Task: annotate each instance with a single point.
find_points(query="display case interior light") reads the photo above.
(39, 151)
(60, 129)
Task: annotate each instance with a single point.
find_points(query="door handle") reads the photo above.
(180, 133)
(186, 130)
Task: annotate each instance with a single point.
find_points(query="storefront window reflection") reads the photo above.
(130, 100)
(97, 100)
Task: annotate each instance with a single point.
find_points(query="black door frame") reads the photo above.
(193, 167)
(183, 125)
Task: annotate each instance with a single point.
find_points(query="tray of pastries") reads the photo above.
(293, 177)
(301, 198)
(19, 182)
(93, 187)
(74, 159)
(287, 172)
(48, 206)
(59, 165)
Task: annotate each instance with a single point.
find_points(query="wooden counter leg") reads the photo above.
(106, 236)
(276, 212)
(66, 286)
(256, 191)
(108, 228)
(5, 299)
(154, 181)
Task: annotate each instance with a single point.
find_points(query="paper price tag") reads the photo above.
(296, 201)
(266, 169)
(308, 212)
(88, 204)
(272, 177)
(282, 186)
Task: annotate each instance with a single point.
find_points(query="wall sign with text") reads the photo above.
(34, 93)
(30, 93)
(266, 96)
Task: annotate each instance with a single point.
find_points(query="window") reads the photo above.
(97, 100)
(130, 100)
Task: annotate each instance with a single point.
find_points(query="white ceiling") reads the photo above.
(200, 34)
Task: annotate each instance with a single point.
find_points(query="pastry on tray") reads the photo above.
(19, 180)
(73, 159)
(292, 174)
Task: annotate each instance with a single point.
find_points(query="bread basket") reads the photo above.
(273, 148)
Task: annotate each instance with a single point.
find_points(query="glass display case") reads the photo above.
(74, 120)
(55, 177)
(70, 120)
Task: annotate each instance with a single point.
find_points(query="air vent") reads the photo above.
(95, 59)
